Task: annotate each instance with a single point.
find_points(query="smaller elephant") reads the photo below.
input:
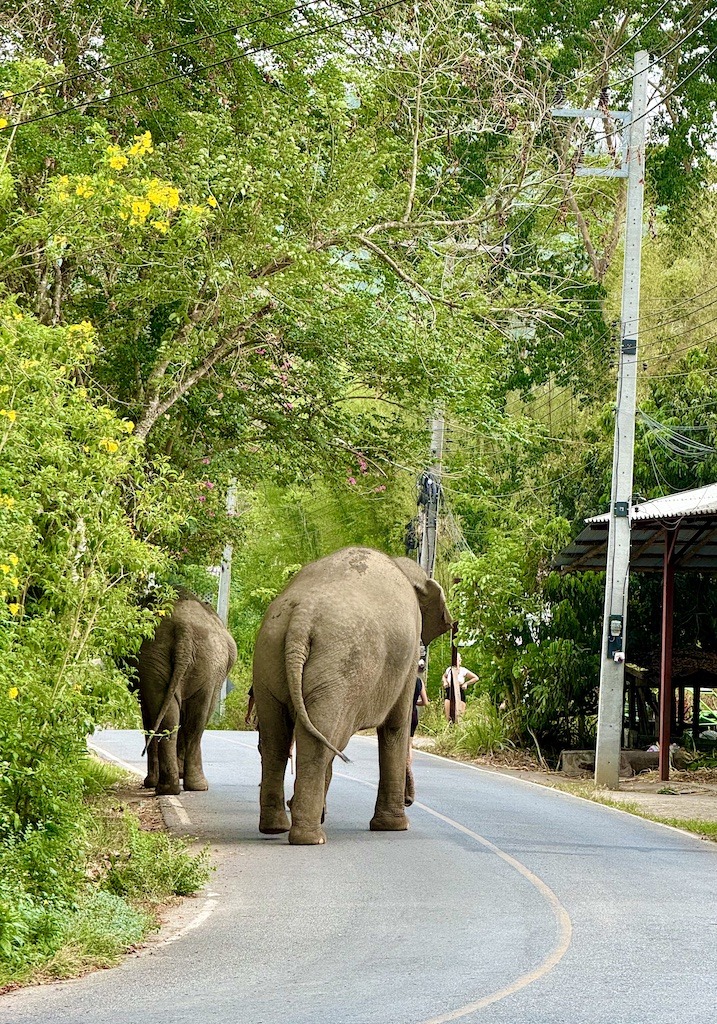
(181, 670)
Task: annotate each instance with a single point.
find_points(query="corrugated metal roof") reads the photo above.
(692, 513)
(699, 501)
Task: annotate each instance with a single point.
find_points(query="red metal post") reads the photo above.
(666, 696)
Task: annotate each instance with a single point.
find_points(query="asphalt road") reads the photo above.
(505, 902)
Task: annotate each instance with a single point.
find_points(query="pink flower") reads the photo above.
(202, 497)
(363, 465)
(352, 480)
(206, 460)
(209, 485)
(381, 487)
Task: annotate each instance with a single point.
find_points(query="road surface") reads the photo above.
(505, 903)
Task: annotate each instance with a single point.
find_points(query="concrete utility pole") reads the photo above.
(225, 580)
(430, 497)
(612, 651)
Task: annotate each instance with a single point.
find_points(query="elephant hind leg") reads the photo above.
(313, 774)
(393, 740)
(275, 734)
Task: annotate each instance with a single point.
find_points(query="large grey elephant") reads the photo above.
(337, 652)
(181, 670)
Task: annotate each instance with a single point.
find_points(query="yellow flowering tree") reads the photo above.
(73, 566)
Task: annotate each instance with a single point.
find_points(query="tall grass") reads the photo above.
(481, 730)
(78, 898)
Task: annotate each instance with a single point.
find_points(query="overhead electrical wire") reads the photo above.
(248, 52)
(608, 57)
(178, 44)
(666, 53)
(660, 103)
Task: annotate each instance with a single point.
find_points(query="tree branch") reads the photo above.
(400, 272)
(221, 350)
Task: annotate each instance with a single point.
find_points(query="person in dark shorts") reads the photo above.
(420, 697)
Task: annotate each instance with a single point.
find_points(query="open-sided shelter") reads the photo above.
(675, 533)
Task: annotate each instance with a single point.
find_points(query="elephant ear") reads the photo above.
(435, 617)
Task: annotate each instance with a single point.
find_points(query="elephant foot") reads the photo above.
(195, 783)
(168, 788)
(150, 782)
(274, 823)
(300, 836)
(383, 822)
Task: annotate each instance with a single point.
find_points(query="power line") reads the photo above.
(610, 56)
(176, 45)
(205, 67)
(675, 46)
(661, 102)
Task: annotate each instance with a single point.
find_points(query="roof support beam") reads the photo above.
(666, 696)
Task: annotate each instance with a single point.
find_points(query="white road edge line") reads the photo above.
(211, 903)
(111, 757)
(562, 918)
(178, 809)
(556, 791)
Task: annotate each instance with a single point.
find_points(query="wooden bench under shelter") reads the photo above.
(693, 670)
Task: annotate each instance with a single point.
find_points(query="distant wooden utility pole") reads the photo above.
(225, 582)
(430, 497)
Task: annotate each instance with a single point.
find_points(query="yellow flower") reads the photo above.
(117, 159)
(84, 327)
(13, 559)
(15, 581)
(13, 692)
(14, 608)
(18, 316)
(142, 145)
(127, 426)
(83, 190)
(7, 502)
(9, 413)
(211, 201)
(3, 123)
(108, 444)
(140, 210)
(162, 194)
(5, 569)
(161, 225)
(123, 215)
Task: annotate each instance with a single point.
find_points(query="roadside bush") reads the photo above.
(154, 865)
(481, 730)
(79, 901)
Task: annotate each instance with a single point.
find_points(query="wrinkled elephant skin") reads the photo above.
(181, 670)
(337, 652)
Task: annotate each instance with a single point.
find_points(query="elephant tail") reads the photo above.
(296, 651)
(183, 660)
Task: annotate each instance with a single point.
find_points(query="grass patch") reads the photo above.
(481, 730)
(78, 898)
(698, 826)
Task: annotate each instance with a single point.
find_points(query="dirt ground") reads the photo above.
(687, 795)
(132, 796)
